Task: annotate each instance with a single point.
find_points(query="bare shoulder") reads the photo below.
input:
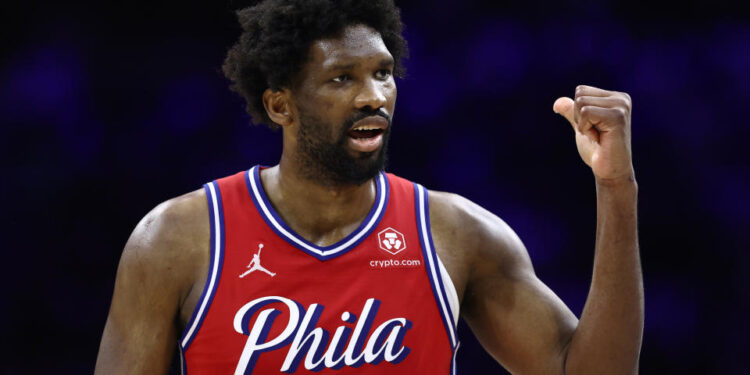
(172, 234)
(515, 317)
(169, 248)
(161, 262)
(475, 230)
(474, 241)
(179, 220)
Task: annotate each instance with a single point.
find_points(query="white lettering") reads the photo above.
(302, 338)
(353, 354)
(310, 342)
(387, 263)
(255, 341)
(376, 352)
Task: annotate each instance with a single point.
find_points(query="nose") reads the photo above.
(372, 95)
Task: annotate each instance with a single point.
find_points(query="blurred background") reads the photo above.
(108, 108)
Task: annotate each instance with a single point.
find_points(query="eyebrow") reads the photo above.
(387, 61)
(343, 66)
(383, 63)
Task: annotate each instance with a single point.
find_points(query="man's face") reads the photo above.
(345, 99)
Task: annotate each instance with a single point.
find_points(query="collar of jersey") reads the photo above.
(272, 218)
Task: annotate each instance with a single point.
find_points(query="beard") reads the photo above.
(328, 162)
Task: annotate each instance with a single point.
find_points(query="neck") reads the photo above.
(321, 213)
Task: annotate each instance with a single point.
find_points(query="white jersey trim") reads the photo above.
(217, 251)
(436, 276)
(323, 253)
(450, 290)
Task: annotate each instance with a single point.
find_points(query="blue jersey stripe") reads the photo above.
(433, 271)
(277, 224)
(216, 218)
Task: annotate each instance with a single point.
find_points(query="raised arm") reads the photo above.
(517, 318)
(608, 337)
(156, 274)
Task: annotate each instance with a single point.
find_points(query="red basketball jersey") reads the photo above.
(378, 301)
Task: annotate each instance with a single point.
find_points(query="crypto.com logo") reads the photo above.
(391, 240)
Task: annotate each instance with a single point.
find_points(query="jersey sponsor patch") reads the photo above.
(384, 264)
(391, 241)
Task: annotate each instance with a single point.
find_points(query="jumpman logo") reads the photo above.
(255, 264)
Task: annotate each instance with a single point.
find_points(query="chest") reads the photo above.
(374, 301)
(278, 307)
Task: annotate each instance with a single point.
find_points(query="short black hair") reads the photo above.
(277, 38)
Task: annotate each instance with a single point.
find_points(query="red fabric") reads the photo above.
(340, 284)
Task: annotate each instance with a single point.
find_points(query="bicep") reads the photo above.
(141, 330)
(515, 316)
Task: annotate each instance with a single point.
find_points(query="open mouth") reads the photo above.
(365, 132)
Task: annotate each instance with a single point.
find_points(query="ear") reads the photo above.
(278, 106)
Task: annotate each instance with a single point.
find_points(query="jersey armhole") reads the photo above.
(450, 290)
(442, 286)
(216, 219)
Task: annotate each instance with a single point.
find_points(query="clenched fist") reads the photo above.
(601, 120)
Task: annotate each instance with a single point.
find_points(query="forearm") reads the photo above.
(608, 337)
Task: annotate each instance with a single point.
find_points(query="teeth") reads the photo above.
(366, 128)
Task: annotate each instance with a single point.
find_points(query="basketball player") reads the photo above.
(362, 271)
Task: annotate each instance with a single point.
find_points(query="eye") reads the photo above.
(383, 74)
(341, 78)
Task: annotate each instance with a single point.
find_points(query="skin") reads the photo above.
(517, 318)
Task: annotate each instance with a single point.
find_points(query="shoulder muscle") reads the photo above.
(517, 318)
(156, 272)
(487, 243)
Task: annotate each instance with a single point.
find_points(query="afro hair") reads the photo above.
(277, 35)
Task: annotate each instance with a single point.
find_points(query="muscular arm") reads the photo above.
(520, 321)
(516, 318)
(608, 337)
(156, 274)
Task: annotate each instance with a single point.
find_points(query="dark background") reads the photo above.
(108, 108)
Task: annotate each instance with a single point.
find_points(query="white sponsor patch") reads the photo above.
(382, 264)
